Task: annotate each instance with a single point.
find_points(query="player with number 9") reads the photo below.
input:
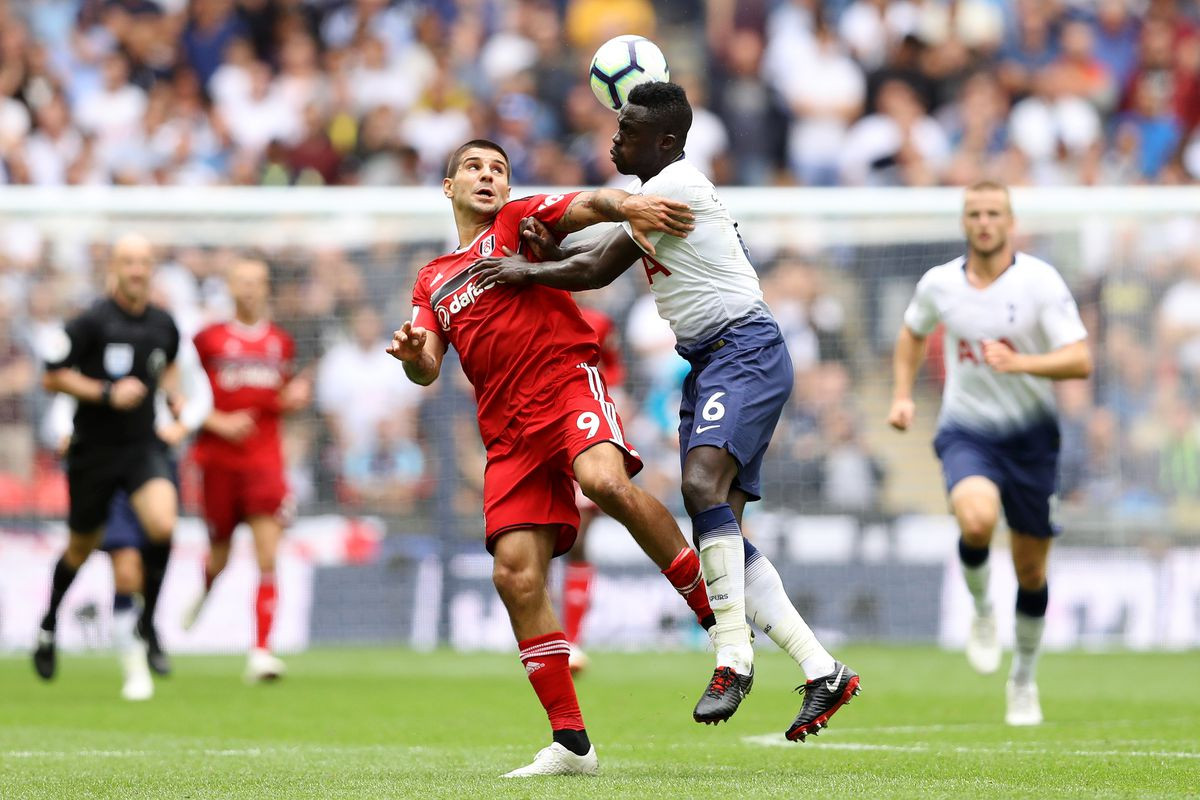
(545, 416)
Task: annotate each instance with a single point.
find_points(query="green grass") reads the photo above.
(392, 723)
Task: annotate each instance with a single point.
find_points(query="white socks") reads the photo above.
(724, 567)
(1025, 648)
(977, 585)
(123, 631)
(771, 609)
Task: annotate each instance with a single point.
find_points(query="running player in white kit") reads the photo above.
(1011, 327)
(741, 376)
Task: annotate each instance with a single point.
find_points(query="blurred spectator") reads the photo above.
(1115, 30)
(1179, 322)
(826, 92)
(359, 385)
(213, 26)
(590, 23)
(899, 144)
(264, 115)
(387, 471)
(17, 377)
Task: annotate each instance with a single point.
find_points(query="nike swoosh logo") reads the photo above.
(718, 578)
(703, 428)
(833, 684)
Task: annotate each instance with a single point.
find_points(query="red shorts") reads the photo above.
(233, 495)
(529, 481)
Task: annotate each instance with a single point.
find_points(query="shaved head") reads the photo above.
(130, 266)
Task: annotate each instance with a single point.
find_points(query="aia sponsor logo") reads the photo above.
(455, 303)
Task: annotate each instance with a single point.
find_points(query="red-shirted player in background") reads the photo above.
(249, 363)
(578, 574)
(544, 415)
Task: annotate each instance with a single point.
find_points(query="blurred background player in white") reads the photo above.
(1012, 327)
(135, 637)
(249, 364)
(741, 377)
(112, 359)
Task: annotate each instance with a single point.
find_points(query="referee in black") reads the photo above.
(113, 358)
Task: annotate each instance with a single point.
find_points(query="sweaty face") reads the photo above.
(132, 265)
(634, 143)
(480, 184)
(248, 287)
(987, 221)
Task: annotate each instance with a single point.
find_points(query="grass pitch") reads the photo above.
(386, 723)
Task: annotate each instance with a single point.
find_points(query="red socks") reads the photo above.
(684, 574)
(264, 608)
(577, 597)
(545, 660)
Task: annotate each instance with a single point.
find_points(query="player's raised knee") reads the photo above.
(608, 489)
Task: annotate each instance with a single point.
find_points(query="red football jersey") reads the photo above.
(247, 366)
(513, 342)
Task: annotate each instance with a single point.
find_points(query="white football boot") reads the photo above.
(139, 685)
(577, 661)
(262, 666)
(983, 648)
(1024, 707)
(558, 760)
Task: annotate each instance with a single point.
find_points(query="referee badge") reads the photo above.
(118, 359)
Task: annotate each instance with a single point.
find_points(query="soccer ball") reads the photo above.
(621, 64)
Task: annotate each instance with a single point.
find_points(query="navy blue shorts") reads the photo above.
(1023, 465)
(122, 528)
(734, 394)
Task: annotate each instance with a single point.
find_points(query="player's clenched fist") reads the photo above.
(408, 343)
(901, 415)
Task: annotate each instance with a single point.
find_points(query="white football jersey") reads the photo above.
(1029, 306)
(704, 282)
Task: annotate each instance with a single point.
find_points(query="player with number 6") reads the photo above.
(741, 377)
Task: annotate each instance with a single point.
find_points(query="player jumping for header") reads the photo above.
(1012, 327)
(740, 379)
(544, 415)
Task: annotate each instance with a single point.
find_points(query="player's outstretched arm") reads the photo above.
(906, 360)
(1069, 361)
(599, 265)
(421, 353)
(645, 214)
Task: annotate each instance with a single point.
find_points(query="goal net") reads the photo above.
(388, 476)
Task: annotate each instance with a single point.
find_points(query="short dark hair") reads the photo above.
(668, 105)
(485, 144)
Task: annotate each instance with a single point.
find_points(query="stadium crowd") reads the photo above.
(874, 92)
(800, 92)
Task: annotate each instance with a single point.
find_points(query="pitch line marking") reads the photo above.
(778, 740)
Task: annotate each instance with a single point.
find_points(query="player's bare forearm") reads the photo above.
(906, 360)
(72, 382)
(1068, 362)
(597, 266)
(645, 214)
(421, 352)
(423, 371)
